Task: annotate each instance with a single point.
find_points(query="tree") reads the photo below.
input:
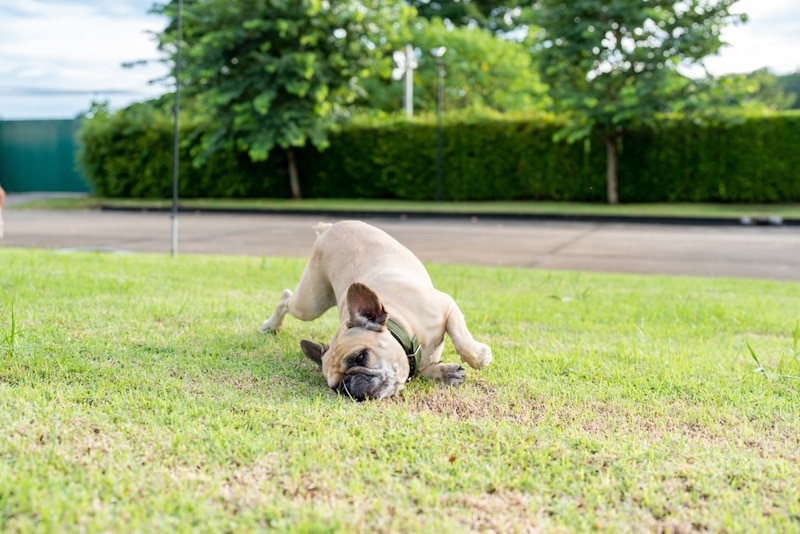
(494, 15)
(278, 72)
(482, 69)
(614, 64)
(790, 84)
(757, 90)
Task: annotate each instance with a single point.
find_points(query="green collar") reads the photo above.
(409, 344)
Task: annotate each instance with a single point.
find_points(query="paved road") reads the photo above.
(751, 252)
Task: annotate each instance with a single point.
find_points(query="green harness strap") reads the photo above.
(409, 344)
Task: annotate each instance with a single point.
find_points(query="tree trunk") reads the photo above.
(611, 167)
(294, 180)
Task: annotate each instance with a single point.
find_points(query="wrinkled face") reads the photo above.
(363, 364)
(363, 360)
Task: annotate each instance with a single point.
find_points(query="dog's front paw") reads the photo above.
(453, 374)
(480, 358)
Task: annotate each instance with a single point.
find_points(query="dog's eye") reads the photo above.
(360, 359)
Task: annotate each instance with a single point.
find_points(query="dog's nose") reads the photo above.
(344, 388)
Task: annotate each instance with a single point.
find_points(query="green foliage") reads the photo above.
(613, 65)
(790, 85)
(129, 154)
(770, 91)
(751, 160)
(485, 157)
(126, 153)
(498, 158)
(759, 90)
(272, 73)
(494, 15)
(482, 71)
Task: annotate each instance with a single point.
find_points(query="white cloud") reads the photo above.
(771, 38)
(74, 45)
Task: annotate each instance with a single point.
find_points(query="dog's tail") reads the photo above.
(322, 227)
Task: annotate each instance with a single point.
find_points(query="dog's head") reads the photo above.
(363, 360)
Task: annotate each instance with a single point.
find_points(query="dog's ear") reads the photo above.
(313, 350)
(365, 308)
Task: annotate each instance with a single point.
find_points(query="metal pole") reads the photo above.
(409, 81)
(439, 108)
(176, 132)
(438, 53)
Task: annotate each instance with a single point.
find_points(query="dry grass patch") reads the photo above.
(475, 401)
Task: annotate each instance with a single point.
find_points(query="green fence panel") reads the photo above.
(39, 155)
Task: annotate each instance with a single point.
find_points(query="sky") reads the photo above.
(58, 56)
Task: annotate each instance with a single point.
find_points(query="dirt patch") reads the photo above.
(501, 511)
(474, 401)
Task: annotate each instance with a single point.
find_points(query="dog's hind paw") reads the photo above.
(274, 323)
(268, 328)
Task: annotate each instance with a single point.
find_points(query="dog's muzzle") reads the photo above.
(354, 386)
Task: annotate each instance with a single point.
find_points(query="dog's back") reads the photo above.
(354, 251)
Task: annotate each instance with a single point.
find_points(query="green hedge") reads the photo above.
(129, 154)
(491, 159)
(755, 159)
(752, 160)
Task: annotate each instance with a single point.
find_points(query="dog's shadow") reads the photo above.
(277, 363)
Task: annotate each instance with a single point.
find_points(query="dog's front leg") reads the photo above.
(274, 323)
(476, 355)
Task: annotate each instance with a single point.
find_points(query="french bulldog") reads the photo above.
(392, 320)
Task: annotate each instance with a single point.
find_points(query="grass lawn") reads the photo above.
(137, 395)
(732, 211)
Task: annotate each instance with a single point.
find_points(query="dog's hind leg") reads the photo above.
(275, 321)
(476, 355)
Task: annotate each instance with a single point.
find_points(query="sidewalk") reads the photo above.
(728, 251)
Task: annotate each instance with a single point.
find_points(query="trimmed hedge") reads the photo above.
(491, 159)
(129, 154)
(756, 159)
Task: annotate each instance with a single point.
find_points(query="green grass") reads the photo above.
(734, 211)
(138, 396)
